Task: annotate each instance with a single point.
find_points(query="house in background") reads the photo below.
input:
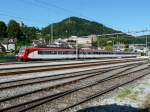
(2, 48)
(39, 43)
(119, 47)
(84, 41)
(141, 48)
(9, 44)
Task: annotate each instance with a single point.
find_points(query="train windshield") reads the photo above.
(22, 50)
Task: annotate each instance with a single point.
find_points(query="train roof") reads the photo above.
(66, 49)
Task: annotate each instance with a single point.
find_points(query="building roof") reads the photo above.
(9, 41)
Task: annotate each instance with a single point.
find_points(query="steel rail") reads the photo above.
(108, 78)
(53, 77)
(61, 67)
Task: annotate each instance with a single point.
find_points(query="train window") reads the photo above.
(59, 52)
(40, 52)
(52, 52)
(44, 52)
(72, 52)
(55, 52)
(69, 52)
(21, 50)
(82, 52)
(66, 52)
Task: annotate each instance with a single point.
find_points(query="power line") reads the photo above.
(122, 33)
(12, 16)
(17, 17)
(47, 5)
(63, 9)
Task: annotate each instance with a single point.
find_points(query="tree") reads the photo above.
(77, 26)
(3, 29)
(29, 32)
(14, 30)
(109, 48)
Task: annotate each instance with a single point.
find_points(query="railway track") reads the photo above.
(29, 62)
(98, 94)
(46, 61)
(80, 93)
(29, 69)
(40, 101)
(42, 79)
(65, 83)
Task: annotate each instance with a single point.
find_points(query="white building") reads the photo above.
(84, 41)
(141, 48)
(119, 47)
(9, 44)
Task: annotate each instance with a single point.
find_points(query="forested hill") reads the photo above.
(77, 26)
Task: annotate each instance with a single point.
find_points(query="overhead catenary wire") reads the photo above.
(47, 6)
(18, 18)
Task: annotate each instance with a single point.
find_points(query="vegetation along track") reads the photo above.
(55, 96)
(32, 69)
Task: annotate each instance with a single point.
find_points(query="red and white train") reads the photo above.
(26, 54)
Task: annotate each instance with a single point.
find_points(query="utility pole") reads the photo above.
(76, 48)
(146, 42)
(98, 38)
(113, 43)
(117, 39)
(51, 32)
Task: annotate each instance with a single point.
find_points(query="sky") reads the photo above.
(124, 15)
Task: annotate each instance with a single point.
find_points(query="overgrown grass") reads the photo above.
(146, 103)
(124, 93)
(7, 54)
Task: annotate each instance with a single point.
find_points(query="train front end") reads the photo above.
(22, 55)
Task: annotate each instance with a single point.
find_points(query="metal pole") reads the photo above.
(117, 39)
(98, 42)
(51, 32)
(113, 44)
(146, 41)
(76, 48)
(146, 45)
